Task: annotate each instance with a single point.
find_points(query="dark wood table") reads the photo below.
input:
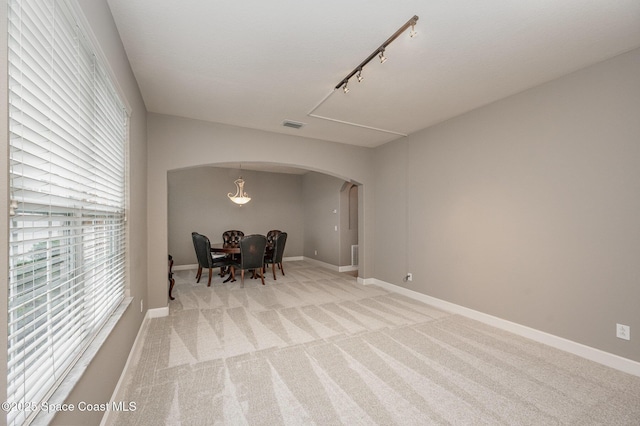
(227, 249)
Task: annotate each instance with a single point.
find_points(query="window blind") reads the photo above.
(67, 245)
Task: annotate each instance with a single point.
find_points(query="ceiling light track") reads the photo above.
(378, 52)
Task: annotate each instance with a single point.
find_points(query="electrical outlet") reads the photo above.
(623, 331)
(141, 305)
(315, 252)
(409, 276)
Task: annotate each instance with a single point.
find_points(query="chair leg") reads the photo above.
(262, 276)
(232, 275)
(273, 268)
(242, 278)
(281, 268)
(171, 284)
(199, 274)
(210, 273)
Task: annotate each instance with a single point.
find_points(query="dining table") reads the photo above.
(225, 249)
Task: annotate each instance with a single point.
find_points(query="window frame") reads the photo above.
(63, 385)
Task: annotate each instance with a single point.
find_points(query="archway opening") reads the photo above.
(318, 210)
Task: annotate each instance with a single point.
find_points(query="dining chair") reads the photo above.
(274, 256)
(271, 237)
(172, 281)
(232, 236)
(252, 248)
(202, 246)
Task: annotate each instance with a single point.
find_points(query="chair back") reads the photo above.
(232, 236)
(252, 248)
(202, 246)
(271, 238)
(278, 250)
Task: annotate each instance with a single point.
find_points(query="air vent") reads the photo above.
(292, 124)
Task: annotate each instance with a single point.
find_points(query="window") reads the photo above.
(68, 137)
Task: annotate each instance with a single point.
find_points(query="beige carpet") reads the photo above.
(316, 348)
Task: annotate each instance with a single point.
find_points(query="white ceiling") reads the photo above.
(257, 63)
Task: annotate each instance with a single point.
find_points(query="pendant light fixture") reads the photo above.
(240, 197)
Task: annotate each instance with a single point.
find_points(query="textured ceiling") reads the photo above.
(257, 63)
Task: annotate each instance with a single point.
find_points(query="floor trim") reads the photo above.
(136, 344)
(195, 265)
(605, 358)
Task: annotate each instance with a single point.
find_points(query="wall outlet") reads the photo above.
(315, 252)
(623, 331)
(408, 277)
(141, 305)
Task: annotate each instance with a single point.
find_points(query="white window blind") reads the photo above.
(68, 136)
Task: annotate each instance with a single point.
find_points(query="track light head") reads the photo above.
(345, 88)
(413, 33)
(359, 76)
(383, 58)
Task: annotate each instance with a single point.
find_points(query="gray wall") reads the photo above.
(321, 197)
(348, 222)
(526, 209)
(99, 381)
(198, 202)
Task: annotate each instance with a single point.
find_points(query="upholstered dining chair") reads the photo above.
(274, 256)
(252, 248)
(271, 237)
(232, 236)
(202, 246)
(172, 281)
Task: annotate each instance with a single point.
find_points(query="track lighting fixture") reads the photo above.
(383, 58)
(378, 52)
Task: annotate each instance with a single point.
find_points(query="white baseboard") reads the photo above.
(605, 358)
(330, 266)
(195, 265)
(116, 392)
(349, 268)
(322, 264)
(115, 397)
(184, 267)
(157, 312)
(292, 258)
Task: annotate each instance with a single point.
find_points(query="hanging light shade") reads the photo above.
(240, 197)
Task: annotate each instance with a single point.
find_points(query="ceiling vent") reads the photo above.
(292, 124)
